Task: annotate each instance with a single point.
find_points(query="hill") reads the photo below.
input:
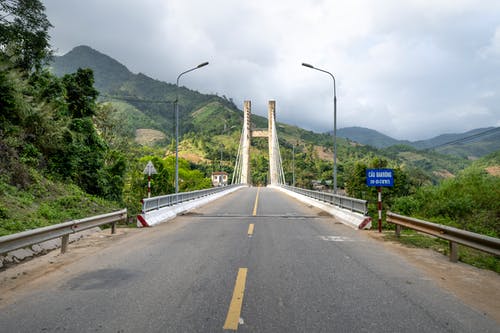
(471, 144)
(210, 126)
(149, 102)
(368, 136)
(86, 57)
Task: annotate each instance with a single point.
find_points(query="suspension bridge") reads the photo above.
(242, 173)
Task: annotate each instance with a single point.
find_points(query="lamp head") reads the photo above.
(203, 64)
(307, 65)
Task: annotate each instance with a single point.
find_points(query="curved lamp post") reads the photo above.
(177, 125)
(334, 125)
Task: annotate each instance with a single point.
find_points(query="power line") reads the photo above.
(136, 99)
(468, 138)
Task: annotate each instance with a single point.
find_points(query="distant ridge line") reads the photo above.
(467, 138)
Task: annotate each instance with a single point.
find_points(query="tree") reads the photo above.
(24, 33)
(80, 93)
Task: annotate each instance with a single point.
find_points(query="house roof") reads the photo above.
(219, 173)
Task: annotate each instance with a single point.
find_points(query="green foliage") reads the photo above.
(163, 182)
(27, 209)
(24, 33)
(47, 132)
(469, 201)
(80, 93)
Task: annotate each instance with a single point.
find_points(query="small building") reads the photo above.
(219, 178)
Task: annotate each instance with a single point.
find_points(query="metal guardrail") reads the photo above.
(353, 204)
(31, 237)
(453, 235)
(149, 204)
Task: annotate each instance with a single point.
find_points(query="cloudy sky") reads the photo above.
(410, 69)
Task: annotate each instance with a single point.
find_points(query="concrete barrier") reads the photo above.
(161, 215)
(345, 216)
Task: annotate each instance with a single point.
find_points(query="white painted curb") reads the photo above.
(352, 219)
(154, 217)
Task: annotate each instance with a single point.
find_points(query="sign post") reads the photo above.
(149, 170)
(380, 178)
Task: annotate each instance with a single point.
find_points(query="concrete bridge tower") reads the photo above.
(247, 134)
(275, 170)
(273, 147)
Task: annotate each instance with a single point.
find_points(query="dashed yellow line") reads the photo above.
(250, 229)
(256, 202)
(234, 312)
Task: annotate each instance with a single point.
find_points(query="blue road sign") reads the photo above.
(379, 177)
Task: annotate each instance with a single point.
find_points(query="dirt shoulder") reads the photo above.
(476, 287)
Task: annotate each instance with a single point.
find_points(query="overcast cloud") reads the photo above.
(410, 69)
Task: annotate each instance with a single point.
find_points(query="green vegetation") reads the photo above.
(62, 154)
(470, 145)
(469, 201)
(68, 150)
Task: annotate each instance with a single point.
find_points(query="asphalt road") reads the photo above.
(293, 270)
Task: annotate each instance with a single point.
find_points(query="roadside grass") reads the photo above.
(46, 203)
(476, 258)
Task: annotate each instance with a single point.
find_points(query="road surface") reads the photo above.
(253, 261)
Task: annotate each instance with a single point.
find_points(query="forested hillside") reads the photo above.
(77, 132)
(472, 144)
(63, 155)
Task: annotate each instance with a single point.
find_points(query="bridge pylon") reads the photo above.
(242, 169)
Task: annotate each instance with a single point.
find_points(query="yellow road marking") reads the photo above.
(250, 229)
(256, 202)
(234, 312)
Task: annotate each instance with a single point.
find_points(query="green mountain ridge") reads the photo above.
(471, 144)
(210, 124)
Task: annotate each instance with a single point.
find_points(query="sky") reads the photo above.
(410, 69)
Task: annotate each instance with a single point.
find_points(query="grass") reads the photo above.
(45, 203)
(411, 238)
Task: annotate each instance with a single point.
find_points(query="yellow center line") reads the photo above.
(250, 229)
(234, 312)
(256, 202)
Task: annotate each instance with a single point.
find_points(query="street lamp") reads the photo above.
(334, 125)
(177, 125)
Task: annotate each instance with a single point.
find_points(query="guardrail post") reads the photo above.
(64, 243)
(453, 251)
(113, 228)
(398, 230)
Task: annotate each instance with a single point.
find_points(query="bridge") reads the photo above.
(242, 173)
(256, 259)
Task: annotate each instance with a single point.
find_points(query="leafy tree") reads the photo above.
(80, 93)
(24, 33)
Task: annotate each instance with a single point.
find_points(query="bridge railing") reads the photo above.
(150, 204)
(353, 204)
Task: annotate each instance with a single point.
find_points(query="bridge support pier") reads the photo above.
(273, 147)
(271, 134)
(247, 135)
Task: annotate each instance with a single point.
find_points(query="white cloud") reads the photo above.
(401, 67)
(492, 50)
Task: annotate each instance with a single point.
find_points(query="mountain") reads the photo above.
(143, 102)
(86, 57)
(210, 125)
(368, 136)
(471, 144)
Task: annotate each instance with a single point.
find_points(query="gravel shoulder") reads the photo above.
(476, 287)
